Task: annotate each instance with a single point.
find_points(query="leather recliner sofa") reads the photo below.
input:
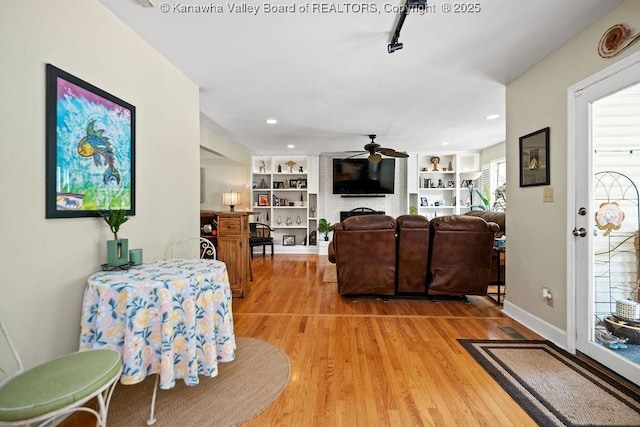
(500, 219)
(411, 256)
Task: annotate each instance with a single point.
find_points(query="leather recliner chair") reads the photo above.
(460, 255)
(413, 250)
(500, 219)
(365, 255)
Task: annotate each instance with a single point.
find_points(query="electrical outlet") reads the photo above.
(547, 195)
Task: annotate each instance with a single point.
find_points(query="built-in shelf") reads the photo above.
(280, 191)
(439, 188)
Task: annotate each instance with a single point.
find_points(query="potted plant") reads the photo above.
(324, 227)
(117, 249)
(485, 198)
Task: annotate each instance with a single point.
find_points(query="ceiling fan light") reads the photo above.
(375, 158)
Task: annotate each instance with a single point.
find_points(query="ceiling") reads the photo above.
(327, 78)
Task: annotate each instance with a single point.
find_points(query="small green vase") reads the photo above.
(117, 252)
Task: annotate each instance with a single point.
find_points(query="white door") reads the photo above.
(589, 274)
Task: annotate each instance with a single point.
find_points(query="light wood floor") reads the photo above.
(369, 362)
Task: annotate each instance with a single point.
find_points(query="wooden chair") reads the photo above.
(54, 389)
(194, 247)
(260, 235)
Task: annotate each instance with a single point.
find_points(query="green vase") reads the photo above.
(117, 252)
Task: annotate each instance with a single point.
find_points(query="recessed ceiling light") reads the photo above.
(493, 116)
(443, 143)
(271, 121)
(291, 146)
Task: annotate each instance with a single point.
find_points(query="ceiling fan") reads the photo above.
(376, 151)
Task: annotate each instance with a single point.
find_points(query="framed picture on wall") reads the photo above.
(288, 240)
(534, 159)
(90, 149)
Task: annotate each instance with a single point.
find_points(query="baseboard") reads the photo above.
(537, 325)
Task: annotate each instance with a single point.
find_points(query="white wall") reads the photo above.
(46, 262)
(229, 168)
(494, 152)
(538, 231)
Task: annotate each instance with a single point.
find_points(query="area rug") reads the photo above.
(330, 273)
(241, 390)
(553, 386)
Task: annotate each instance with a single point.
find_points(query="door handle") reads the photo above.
(579, 232)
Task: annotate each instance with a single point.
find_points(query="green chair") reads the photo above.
(54, 389)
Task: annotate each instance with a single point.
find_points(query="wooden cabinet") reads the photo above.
(233, 248)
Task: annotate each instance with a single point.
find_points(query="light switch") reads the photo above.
(547, 194)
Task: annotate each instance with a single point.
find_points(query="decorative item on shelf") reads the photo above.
(312, 209)
(288, 240)
(450, 167)
(434, 163)
(206, 229)
(267, 216)
(440, 184)
(413, 210)
(231, 199)
(470, 177)
(298, 220)
(279, 220)
(263, 184)
(300, 170)
(324, 227)
(263, 166)
(313, 238)
(426, 183)
(424, 201)
(117, 249)
(288, 221)
(279, 168)
(291, 164)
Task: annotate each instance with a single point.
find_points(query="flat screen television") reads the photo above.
(360, 176)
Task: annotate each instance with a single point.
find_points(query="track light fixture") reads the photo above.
(392, 47)
(409, 4)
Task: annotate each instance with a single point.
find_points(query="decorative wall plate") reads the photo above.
(615, 40)
(609, 217)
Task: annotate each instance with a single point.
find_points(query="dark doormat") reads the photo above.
(553, 386)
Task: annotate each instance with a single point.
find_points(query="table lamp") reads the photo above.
(231, 199)
(470, 177)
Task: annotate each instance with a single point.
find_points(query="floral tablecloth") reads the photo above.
(171, 318)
